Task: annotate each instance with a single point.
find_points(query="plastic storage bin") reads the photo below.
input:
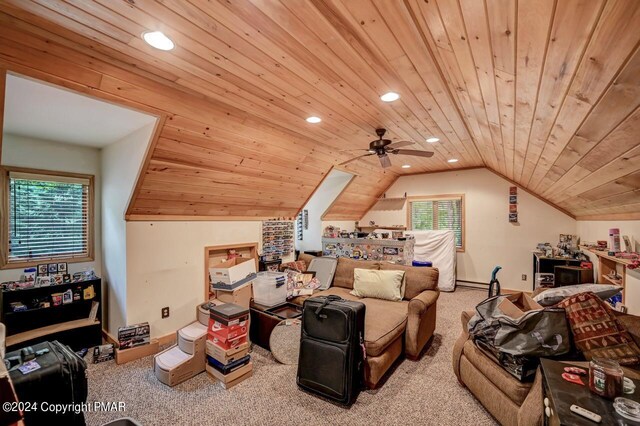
(270, 288)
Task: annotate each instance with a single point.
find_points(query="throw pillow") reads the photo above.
(596, 331)
(298, 265)
(386, 285)
(555, 295)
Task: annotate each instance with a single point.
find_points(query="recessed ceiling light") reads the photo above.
(390, 97)
(313, 119)
(432, 140)
(452, 160)
(158, 40)
(406, 166)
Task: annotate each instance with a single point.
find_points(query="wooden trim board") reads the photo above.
(127, 355)
(3, 86)
(181, 218)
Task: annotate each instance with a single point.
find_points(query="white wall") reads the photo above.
(490, 239)
(324, 195)
(41, 154)
(165, 267)
(120, 164)
(591, 231)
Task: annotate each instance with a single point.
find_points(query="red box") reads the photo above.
(227, 344)
(233, 329)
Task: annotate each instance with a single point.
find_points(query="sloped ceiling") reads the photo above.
(543, 92)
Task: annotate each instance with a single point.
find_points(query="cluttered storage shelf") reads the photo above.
(612, 269)
(69, 312)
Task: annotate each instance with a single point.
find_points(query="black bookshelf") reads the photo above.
(68, 323)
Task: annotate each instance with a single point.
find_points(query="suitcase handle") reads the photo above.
(330, 298)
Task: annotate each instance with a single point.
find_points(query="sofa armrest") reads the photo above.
(421, 322)
(419, 304)
(465, 317)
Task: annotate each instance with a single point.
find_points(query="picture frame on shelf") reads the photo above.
(43, 281)
(43, 269)
(66, 278)
(52, 268)
(62, 268)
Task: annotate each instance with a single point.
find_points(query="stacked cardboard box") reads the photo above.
(227, 344)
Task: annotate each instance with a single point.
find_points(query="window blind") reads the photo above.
(438, 214)
(48, 217)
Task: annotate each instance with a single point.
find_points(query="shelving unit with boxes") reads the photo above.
(72, 323)
(214, 255)
(607, 265)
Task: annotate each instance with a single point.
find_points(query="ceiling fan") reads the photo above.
(381, 147)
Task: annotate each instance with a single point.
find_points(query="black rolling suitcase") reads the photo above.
(59, 378)
(331, 362)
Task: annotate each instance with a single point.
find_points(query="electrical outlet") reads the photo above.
(165, 312)
(524, 277)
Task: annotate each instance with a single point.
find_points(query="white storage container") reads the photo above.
(266, 290)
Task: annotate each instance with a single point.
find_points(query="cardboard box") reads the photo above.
(240, 296)
(231, 376)
(229, 355)
(228, 332)
(131, 354)
(134, 335)
(517, 304)
(227, 344)
(232, 271)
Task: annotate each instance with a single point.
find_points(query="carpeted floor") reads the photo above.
(425, 392)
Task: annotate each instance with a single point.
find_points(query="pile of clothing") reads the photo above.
(574, 323)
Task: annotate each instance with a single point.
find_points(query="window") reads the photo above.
(439, 213)
(49, 217)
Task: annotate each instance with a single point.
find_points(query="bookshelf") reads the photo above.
(69, 323)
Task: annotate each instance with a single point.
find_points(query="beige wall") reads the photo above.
(121, 161)
(41, 154)
(165, 267)
(490, 239)
(591, 231)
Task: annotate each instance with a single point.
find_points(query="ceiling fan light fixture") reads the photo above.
(452, 160)
(390, 97)
(373, 151)
(158, 40)
(313, 119)
(406, 166)
(433, 139)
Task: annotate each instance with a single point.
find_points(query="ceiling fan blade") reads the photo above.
(413, 152)
(352, 150)
(385, 161)
(400, 144)
(354, 159)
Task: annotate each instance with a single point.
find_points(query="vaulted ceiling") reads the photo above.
(543, 92)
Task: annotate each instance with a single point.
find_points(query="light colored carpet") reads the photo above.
(425, 392)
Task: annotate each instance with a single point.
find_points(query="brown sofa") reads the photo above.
(510, 401)
(391, 328)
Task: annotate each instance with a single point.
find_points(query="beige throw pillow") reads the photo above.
(386, 285)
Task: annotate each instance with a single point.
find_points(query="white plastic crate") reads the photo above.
(265, 290)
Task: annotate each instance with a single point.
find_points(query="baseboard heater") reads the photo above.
(472, 284)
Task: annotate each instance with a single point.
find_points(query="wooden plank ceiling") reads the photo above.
(543, 92)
